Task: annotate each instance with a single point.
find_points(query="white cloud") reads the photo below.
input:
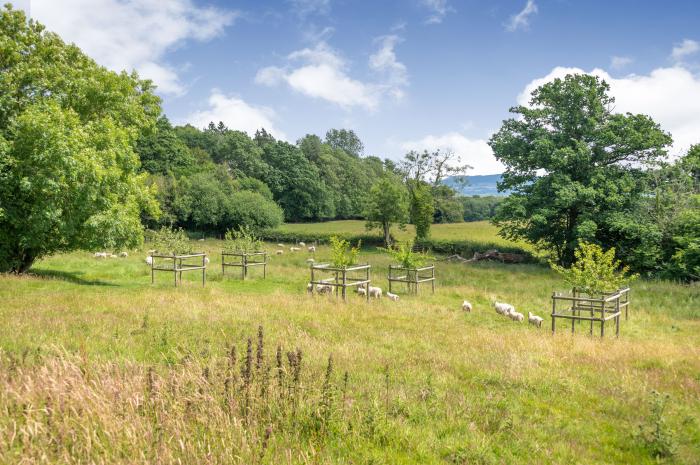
(474, 152)
(522, 19)
(135, 34)
(620, 62)
(236, 114)
(685, 48)
(322, 73)
(384, 62)
(670, 96)
(438, 10)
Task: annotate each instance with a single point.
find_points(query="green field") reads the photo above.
(99, 366)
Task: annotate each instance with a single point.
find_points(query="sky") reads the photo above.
(403, 74)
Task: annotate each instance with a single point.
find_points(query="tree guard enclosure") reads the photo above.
(413, 277)
(177, 264)
(340, 278)
(579, 307)
(244, 260)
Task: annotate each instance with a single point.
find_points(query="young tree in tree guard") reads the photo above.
(574, 166)
(68, 170)
(387, 204)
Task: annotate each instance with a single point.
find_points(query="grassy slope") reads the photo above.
(464, 388)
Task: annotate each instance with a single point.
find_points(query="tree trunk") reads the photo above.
(25, 260)
(387, 235)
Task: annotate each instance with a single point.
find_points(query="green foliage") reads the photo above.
(169, 241)
(594, 271)
(345, 140)
(576, 169)
(162, 151)
(403, 254)
(477, 208)
(253, 210)
(448, 206)
(387, 204)
(655, 435)
(421, 208)
(243, 240)
(342, 254)
(68, 172)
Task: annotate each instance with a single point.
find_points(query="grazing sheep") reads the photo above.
(294, 249)
(393, 297)
(310, 260)
(324, 288)
(309, 288)
(100, 254)
(503, 309)
(206, 260)
(149, 260)
(279, 252)
(375, 292)
(123, 254)
(201, 240)
(361, 290)
(281, 246)
(466, 306)
(112, 255)
(312, 249)
(534, 319)
(515, 316)
(303, 244)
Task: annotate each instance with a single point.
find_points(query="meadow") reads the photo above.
(99, 366)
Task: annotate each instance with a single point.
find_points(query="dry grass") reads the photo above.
(427, 383)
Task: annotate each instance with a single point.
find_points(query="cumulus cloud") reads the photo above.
(685, 48)
(438, 10)
(236, 114)
(620, 62)
(136, 34)
(670, 96)
(322, 73)
(474, 152)
(522, 20)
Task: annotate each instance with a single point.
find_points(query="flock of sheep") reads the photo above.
(101, 255)
(311, 249)
(509, 311)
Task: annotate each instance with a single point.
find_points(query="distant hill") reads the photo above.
(476, 185)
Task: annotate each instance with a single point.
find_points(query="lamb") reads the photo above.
(503, 309)
(279, 252)
(393, 297)
(100, 254)
(294, 249)
(515, 316)
(534, 319)
(375, 292)
(303, 244)
(466, 306)
(149, 260)
(312, 249)
(123, 254)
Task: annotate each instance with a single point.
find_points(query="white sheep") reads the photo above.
(123, 254)
(393, 297)
(281, 246)
(310, 261)
(534, 319)
(361, 291)
(503, 309)
(279, 252)
(312, 249)
(100, 254)
(309, 288)
(206, 260)
(303, 244)
(149, 260)
(375, 292)
(324, 288)
(112, 255)
(294, 249)
(515, 316)
(466, 306)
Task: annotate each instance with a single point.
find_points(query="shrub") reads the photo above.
(342, 254)
(170, 241)
(403, 253)
(242, 240)
(253, 210)
(594, 271)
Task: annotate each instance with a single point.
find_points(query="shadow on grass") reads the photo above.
(70, 276)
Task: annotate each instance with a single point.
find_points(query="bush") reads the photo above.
(594, 271)
(254, 211)
(170, 241)
(342, 254)
(403, 254)
(242, 240)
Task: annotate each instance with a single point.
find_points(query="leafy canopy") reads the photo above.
(387, 204)
(342, 254)
(169, 241)
(595, 271)
(242, 240)
(575, 167)
(68, 171)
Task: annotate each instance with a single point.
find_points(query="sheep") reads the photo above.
(503, 309)
(112, 255)
(515, 316)
(310, 261)
(361, 291)
(309, 288)
(312, 249)
(100, 254)
(466, 306)
(281, 246)
(201, 240)
(534, 319)
(294, 249)
(279, 252)
(123, 254)
(206, 260)
(303, 244)
(324, 288)
(393, 297)
(375, 292)
(149, 260)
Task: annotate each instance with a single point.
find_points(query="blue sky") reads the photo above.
(402, 74)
